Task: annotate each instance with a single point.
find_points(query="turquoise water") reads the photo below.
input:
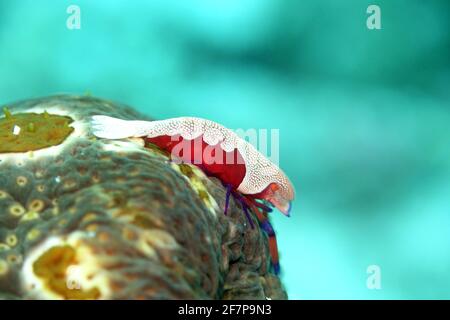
(364, 115)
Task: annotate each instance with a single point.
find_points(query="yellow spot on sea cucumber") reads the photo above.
(36, 205)
(95, 178)
(11, 240)
(92, 227)
(53, 266)
(103, 237)
(42, 131)
(89, 216)
(160, 238)
(72, 210)
(195, 177)
(69, 184)
(16, 210)
(33, 234)
(186, 170)
(14, 259)
(22, 181)
(129, 234)
(40, 173)
(29, 216)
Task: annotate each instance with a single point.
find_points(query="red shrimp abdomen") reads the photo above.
(229, 167)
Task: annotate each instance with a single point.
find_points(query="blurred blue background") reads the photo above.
(364, 115)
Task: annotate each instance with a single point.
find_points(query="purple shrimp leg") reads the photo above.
(268, 229)
(276, 268)
(249, 218)
(227, 199)
(264, 207)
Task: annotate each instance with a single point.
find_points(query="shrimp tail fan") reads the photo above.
(113, 128)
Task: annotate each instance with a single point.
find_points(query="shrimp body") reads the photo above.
(217, 150)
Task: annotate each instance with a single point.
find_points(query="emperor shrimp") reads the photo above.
(252, 179)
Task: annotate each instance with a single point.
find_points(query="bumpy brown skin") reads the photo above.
(196, 252)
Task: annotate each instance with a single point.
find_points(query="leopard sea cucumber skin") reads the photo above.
(99, 219)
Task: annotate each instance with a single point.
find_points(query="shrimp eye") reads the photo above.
(274, 187)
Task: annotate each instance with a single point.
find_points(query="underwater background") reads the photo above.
(364, 115)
